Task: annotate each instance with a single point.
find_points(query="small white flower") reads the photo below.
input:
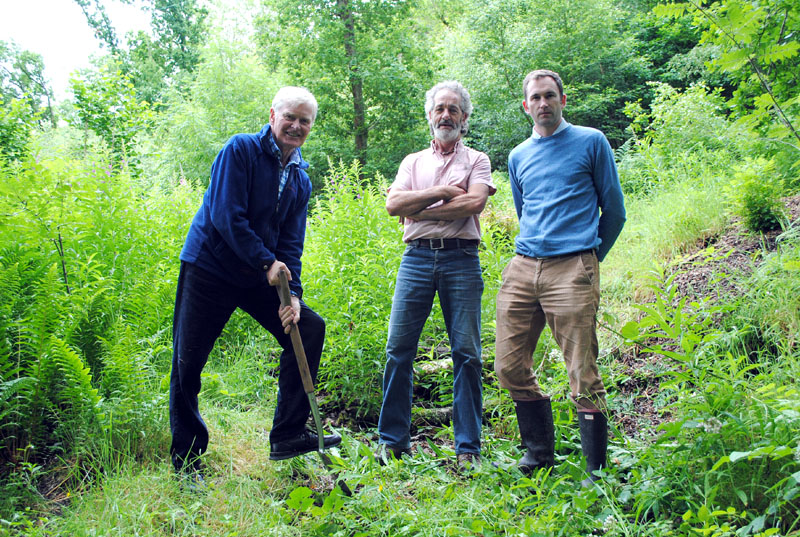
(712, 425)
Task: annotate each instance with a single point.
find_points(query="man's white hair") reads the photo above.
(289, 96)
(461, 91)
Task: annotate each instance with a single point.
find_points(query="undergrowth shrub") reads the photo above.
(350, 262)
(765, 323)
(87, 275)
(728, 457)
(755, 194)
(668, 224)
(684, 137)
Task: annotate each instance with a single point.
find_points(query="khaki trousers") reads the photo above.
(564, 292)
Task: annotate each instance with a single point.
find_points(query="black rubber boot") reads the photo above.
(594, 443)
(535, 420)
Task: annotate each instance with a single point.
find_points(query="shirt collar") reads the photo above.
(456, 148)
(276, 151)
(561, 126)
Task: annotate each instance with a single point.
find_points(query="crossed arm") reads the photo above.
(457, 203)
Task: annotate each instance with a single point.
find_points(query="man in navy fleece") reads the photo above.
(571, 210)
(250, 228)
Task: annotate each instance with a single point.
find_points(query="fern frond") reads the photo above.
(124, 376)
(77, 404)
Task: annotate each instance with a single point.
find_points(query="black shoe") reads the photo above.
(468, 461)
(190, 474)
(386, 453)
(302, 443)
(192, 481)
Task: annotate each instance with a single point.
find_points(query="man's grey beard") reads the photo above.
(447, 135)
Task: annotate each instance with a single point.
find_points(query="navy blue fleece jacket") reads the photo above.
(241, 228)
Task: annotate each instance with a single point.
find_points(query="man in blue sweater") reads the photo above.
(571, 210)
(250, 228)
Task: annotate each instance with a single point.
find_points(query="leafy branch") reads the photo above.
(736, 24)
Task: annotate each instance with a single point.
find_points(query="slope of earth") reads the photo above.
(714, 270)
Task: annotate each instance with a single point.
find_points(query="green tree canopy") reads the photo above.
(760, 51)
(498, 42)
(231, 92)
(106, 103)
(161, 58)
(173, 52)
(367, 65)
(22, 77)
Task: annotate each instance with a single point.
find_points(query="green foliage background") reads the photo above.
(94, 214)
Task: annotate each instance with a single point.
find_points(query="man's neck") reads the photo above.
(445, 148)
(544, 133)
(286, 155)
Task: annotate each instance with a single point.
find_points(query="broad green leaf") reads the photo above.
(777, 53)
(742, 497)
(630, 330)
(671, 10)
(764, 101)
(733, 60)
(300, 499)
(720, 462)
(737, 455)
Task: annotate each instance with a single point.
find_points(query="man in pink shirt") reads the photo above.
(438, 194)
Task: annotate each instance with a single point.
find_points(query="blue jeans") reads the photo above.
(203, 304)
(456, 276)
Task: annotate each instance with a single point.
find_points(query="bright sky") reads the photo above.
(58, 31)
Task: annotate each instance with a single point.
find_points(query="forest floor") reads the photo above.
(712, 270)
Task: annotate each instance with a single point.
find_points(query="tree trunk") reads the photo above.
(356, 82)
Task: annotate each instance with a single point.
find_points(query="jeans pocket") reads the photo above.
(589, 266)
(471, 251)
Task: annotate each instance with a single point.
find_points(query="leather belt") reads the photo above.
(444, 244)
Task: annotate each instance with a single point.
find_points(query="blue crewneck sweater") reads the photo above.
(559, 182)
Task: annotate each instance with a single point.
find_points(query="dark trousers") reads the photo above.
(203, 304)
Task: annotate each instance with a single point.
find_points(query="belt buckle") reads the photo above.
(441, 244)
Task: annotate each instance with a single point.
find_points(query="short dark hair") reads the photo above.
(541, 73)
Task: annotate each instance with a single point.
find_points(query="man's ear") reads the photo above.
(271, 115)
(525, 106)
